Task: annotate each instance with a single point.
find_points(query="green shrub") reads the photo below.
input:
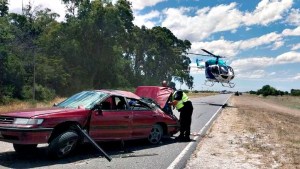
(6, 94)
(41, 93)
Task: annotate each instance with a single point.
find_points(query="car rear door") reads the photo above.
(112, 122)
(143, 119)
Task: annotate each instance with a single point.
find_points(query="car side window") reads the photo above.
(137, 105)
(107, 104)
(120, 103)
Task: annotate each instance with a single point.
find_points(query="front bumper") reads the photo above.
(25, 135)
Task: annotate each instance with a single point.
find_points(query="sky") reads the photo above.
(259, 38)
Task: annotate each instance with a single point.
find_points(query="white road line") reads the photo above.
(185, 150)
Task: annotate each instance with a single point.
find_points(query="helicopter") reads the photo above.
(216, 70)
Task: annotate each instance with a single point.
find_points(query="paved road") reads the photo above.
(136, 154)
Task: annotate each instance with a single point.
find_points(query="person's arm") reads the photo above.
(177, 97)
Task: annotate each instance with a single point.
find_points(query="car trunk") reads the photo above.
(159, 94)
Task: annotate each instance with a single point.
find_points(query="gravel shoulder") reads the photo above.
(251, 133)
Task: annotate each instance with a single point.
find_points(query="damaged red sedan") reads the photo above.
(104, 114)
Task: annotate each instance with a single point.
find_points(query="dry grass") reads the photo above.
(275, 134)
(200, 94)
(289, 101)
(20, 105)
(252, 132)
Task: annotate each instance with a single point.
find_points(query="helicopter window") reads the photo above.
(223, 70)
(224, 76)
(214, 69)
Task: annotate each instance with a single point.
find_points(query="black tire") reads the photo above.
(63, 144)
(24, 148)
(156, 134)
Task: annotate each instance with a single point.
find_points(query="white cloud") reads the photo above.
(296, 46)
(256, 74)
(289, 57)
(265, 13)
(291, 32)
(141, 4)
(146, 20)
(277, 45)
(55, 6)
(294, 17)
(297, 77)
(207, 21)
(218, 47)
(262, 40)
(231, 48)
(245, 67)
(250, 64)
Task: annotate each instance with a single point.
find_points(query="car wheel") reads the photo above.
(63, 144)
(156, 134)
(24, 148)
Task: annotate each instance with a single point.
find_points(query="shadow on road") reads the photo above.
(115, 149)
(214, 104)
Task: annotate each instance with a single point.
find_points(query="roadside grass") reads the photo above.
(288, 101)
(275, 135)
(200, 94)
(21, 105)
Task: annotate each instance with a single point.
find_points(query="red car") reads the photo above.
(104, 114)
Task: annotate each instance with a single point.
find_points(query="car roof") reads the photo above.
(120, 93)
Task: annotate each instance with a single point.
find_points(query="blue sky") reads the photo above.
(259, 38)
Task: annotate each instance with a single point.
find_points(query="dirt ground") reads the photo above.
(251, 132)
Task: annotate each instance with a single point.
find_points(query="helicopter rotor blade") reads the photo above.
(197, 54)
(212, 54)
(208, 52)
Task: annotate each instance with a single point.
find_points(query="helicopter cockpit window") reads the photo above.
(223, 70)
(214, 69)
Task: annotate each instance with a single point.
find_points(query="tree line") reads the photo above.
(268, 90)
(96, 46)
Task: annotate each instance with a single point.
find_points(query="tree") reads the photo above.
(268, 90)
(295, 92)
(97, 46)
(3, 8)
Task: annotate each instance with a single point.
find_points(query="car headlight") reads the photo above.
(28, 121)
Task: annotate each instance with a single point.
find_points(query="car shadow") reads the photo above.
(115, 149)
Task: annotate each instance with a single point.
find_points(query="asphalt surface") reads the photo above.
(135, 155)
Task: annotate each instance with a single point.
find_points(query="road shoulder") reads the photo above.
(249, 137)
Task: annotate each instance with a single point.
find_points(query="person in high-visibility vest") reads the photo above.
(182, 103)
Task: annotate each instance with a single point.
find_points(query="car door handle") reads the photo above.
(155, 116)
(127, 117)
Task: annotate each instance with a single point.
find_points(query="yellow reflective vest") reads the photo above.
(180, 104)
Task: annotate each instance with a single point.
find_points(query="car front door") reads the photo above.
(113, 121)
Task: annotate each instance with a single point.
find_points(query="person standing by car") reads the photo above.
(182, 103)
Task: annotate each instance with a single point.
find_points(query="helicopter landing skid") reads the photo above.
(209, 83)
(229, 84)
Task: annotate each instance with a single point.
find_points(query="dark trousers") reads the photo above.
(186, 119)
